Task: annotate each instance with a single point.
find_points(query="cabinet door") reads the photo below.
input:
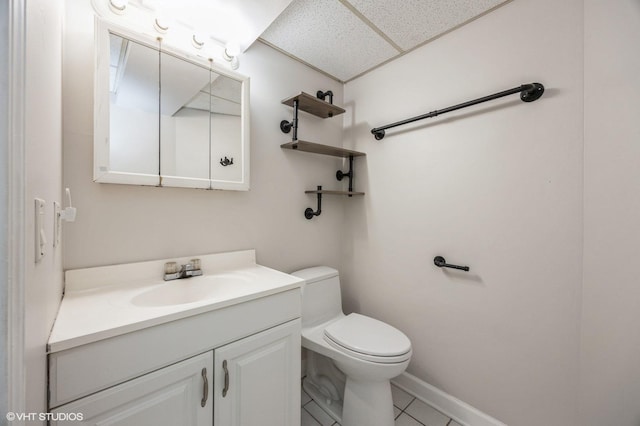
(258, 379)
(171, 396)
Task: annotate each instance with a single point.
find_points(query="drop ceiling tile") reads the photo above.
(412, 22)
(328, 36)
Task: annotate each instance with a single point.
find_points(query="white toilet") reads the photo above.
(367, 354)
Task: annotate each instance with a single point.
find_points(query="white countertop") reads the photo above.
(109, 301)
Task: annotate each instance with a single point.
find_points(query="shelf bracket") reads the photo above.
(323, 95)
(309, 213)
(340, 174)
(286, 126)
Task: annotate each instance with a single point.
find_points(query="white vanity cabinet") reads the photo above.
(151, 353)
(253, 382)
(258, 381)
(179, 394)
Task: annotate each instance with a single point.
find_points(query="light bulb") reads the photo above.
(118, 6)
(232, 49)
(197, 40)
(234, 63)
(230, 54)
(161, 24)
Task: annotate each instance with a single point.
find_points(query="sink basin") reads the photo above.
(192, 290)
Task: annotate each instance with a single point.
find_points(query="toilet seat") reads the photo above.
(368, 339)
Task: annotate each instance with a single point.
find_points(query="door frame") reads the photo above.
(12, 236)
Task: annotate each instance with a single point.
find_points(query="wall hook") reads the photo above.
(309, 213)
(69, 212)
(226, 162)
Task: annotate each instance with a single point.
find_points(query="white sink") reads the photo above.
(118, 299)
(193, 290)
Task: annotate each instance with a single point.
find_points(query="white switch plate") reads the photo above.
(41, 240)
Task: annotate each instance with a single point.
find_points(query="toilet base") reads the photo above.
(367, 403)
(331, 407)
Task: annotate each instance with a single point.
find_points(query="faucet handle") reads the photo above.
(192, 269)
(170, 267)
(171, 271)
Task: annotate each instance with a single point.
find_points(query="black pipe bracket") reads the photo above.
(323, 95)
(309, 213)
(341, 175)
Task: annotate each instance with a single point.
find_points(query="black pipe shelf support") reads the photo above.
(286, 126)
(309, 213)
(316, 105)
(323, 95)
(350, 174)
(528, 93)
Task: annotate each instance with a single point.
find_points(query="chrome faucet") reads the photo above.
(191, 269)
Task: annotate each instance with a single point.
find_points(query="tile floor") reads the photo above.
(409, 411)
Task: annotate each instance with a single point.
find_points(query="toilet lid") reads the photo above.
(368, 336)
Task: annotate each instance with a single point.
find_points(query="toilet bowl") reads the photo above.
(367, 354)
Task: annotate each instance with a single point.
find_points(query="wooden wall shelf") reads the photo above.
(313, 105)
(318, 148)
(330, 192)
(318, 107)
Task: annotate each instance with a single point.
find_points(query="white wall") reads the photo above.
(497, 187)
(121, 223)
(610, 361)
(43, 152)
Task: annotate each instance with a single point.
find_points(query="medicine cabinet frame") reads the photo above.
(102, 170)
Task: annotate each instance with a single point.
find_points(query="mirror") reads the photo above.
(167, 119)
(184, 126)
(133, 108)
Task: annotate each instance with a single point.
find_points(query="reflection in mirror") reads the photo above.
(133, 107)
(226, 128)
(167, 118)
(184, 124)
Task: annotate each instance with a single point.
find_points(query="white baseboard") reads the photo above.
(459, 411)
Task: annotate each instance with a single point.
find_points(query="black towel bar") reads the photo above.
(528, 93)
(440, 262)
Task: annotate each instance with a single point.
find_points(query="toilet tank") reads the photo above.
(321, 299)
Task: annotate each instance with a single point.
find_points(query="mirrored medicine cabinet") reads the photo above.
(166, 118)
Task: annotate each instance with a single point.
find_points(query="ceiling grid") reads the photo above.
(348, 38)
